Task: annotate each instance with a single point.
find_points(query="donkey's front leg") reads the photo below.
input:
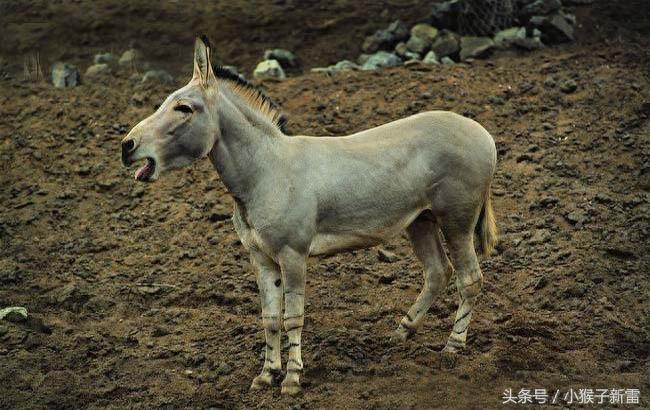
(269, 282)
(293, 265)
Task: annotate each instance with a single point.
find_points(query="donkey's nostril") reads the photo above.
(127, 146)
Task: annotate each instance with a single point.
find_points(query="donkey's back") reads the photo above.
(370, 186)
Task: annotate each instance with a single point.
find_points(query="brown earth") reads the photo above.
(141, 296)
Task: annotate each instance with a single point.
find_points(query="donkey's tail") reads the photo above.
(486, 228)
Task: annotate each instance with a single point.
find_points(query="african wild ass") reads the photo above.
(296, 196)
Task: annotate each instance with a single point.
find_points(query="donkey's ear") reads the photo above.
(202, 66)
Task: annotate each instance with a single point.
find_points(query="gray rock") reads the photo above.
(65, 75)
(555, 29)
(379, 40)
(157, 76)
(98, 70)
(399, 30)
(343, 65)
(447, 61)
(445, 14)
(363, 58)
(446, 44)
(404, 53)
(577, 2)
(418, 45)
(131, 58)
(540, 7)
(507, 37)
(381, 59)
(285, 57)
(386, 39)
(431, 58)
(269, 69)
(528, 43)
(104, 58)
(475, 47)
(401, 49)
(425, 32)
(13, 314)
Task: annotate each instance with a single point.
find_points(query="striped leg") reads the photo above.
(293, 273)
(427, 245)
(270, 286)
(468, 282)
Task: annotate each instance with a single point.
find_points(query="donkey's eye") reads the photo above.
(186, 109)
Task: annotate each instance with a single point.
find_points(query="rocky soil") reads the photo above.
(141, 296)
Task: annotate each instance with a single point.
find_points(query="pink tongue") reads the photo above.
(143, 172)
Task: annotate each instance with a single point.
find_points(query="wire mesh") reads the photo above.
(486, 17)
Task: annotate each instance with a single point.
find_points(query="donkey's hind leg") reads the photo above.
(427, 245)
(469, 279)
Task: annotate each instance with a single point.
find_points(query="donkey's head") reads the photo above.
(183, 129)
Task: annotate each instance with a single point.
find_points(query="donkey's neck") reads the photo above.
(248, 148)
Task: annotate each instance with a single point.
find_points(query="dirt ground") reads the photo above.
(141, 295)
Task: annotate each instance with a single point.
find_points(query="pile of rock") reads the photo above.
(274, 64)
(436, 41)
(104, 65)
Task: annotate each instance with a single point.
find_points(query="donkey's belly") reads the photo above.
(359, 237)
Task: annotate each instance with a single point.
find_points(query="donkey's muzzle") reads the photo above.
(127, 149)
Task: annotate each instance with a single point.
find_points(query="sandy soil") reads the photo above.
(141, 296)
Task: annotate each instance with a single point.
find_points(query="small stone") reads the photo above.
(425, 32)
(13, 314)
(104, 58)
(475, 47)
(269, 69)
(381, 59)
(98, 70)
(447, 61)
(528, 43)
(379, 40)
(399, 30)
(158, 76)
(345, 65)
(65, 75)
(386, 256)
(431, 58)
(417, 45)
(131, 59)
(554, 29)
(285, 57)
(446, 44)
(505, 38)
(361, 60)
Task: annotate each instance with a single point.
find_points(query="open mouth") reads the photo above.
(145, 172)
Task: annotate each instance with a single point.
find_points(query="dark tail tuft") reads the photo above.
(486, 228)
